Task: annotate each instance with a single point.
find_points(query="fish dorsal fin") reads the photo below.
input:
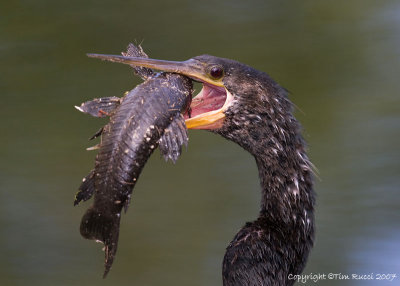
(137, 51)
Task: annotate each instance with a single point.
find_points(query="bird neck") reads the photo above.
(285, 174)
(287, 200)
(287, 196)
(278, 242)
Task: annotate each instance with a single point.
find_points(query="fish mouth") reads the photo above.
(207, 109)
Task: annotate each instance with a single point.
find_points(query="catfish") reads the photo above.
(147, 117)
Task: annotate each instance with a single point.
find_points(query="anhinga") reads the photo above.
(248, 107)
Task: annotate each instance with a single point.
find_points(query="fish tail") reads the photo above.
(103, 228)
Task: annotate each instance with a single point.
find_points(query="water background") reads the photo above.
(339, 59)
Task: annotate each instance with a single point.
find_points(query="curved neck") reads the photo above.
(285, 175)
(286, 185)
(278, 242)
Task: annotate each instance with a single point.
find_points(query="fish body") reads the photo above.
(149, 115)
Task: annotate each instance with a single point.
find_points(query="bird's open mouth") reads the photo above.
(207, 110)
(207, 107)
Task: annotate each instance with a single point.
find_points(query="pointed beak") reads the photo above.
(192, 68)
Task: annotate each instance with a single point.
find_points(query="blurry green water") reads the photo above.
(340, 61)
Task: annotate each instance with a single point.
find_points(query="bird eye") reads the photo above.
(216, 72)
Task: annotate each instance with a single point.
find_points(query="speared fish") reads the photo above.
(147, 117)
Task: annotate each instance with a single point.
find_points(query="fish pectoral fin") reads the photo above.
(86, 189)
(100, 107)
(175, 135)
